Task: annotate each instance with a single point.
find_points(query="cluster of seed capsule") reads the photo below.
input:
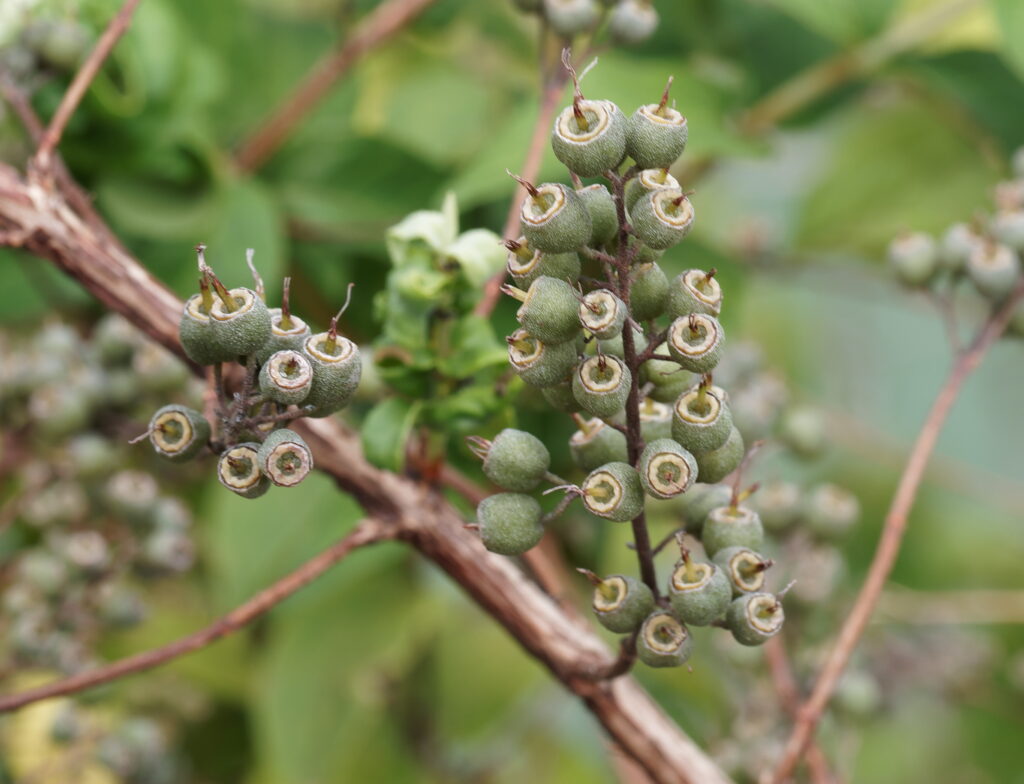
(651, 421)
(629, 21)
(985, 251)
(289, 373)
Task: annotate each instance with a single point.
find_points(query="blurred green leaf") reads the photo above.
(472, 347)
(843, 21)
(1010, 14)
(385, 432)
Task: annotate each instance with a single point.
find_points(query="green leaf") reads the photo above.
(479, 254)
(249, 218)
(1010, 14)
(472, 347)
(386, 430)
(843, 21)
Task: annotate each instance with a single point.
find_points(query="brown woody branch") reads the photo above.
(48, 227)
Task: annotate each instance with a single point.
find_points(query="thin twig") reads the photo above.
(891, 538)
(367, 532)
(379, 25)
(43, 159)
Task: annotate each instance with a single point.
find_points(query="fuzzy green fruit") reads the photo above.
(286, 377)
(239, 471)
(589, 137)
(994, 269)
(669, 380)
(285, 458)
(560, 397)
(956, 247)
(662, 218)
(595, 444)
(744, 568)
(196, 334)
(337, 369)
(555, 219)
(509, 523)
(526, 265)
(701, 420)
(178, 432)
(694, 291)
(646, 181)
(282, 337)
(633, 21)
(1008, 228)
(656, 136)
(621, 603)
(663, 641)
(604, 218)
(549, 310)
(755, 618)
(540, 364)
(601, 385)
(602, 313)
(778, 504)
(516, 460)
(699, 500)
(695, 342)
(655, 421)
(614, 347)
(666, 469)
(830, 511)
(716, 465)
(242, 331)
(699, 593)
(914, 258)
(732, 526)
(648, 293)
(571, 17)
(614, 492)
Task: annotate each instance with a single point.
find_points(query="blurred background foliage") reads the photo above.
(892, 114)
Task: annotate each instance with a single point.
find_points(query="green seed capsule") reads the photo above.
(744, 569)
(604, 219)
(285, 458)
(239, 471)
(647, 181)
(283, 337)
(509, 523)
(663, 641)
(286, 377)
(754, 618)
(958, 243)
(633, 21)
(662, 218)
(656, 136)
(732, 526)
(537, 363)
(516, 460)
(621, 603)
(549, 311)
(716, 465)
(555, 219)
(778, 504)
(648, 294)
(699, 593)
(695, 342)
(830, 511)
(526, 265)
(694, 291)
(589, 137)
(701, 421)
(337, 369)
(666, 469)
(614, 492)
(196, 334)
(913, 258)
(655, 421)
(802, 429)
(560, 397)
(601, 385)
(178, 432)
(994, 269)
(596, 443)
(669, 380)
(1008, 227)
(699, 501)
(613, 346)
(244, 330)
(602, 313)
(570, 17)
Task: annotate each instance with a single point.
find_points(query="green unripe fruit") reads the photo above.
(663, 641)
(602, 313)
(732, 526)
(337, 369)
(994, 269)
(754, 618)
(115, 339)
(802, 429)
(570, 17)
(43, 571)
(509, 523)
(282, 337)
(1008, 227)
(756, 407)
(196, 334)
(830, 510)
(662, 218)
(914, 258)
(666, 469)
(526, 265)
(596, 443)
(87, 552)
(604, 218)
(695, 342)
(744, 568)
(589, 137)
(178, 432)
(242, 331)
(614, 347)
(614, 492)
(540, 364)
(699, 592)
(648, 294)
(633, 21)
(601, 385)
(549, 310)
(647, 181)
(668, 378)
(621, 603)
(958, 243)
(131, 495)
(239, 471)
(286, 377)
(699, 500)
(555, 219)
(560, 397)
(158, 370)
(515, 460)
(778, 504)
(284, 458)
(716, 465)
(655, 421)
(694, 291)
(656, 136)
(701, 421)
